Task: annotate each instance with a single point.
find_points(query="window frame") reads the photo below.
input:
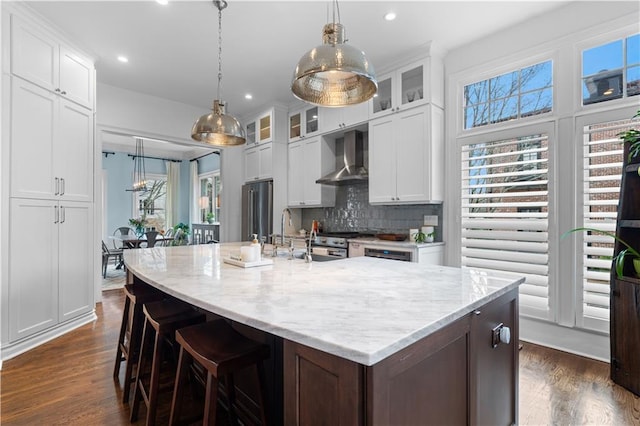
(137, 195)
(213, 175)
(599, 40)
(495, 69)
(548, 128)
(488, 76)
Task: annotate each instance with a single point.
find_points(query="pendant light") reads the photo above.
(334, 74)
(218, 128)
(139, 174)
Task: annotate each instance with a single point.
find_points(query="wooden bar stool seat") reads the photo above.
(222, 351)
(162, 319)
(131, 330)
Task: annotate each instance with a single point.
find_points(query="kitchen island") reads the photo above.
(363, 341)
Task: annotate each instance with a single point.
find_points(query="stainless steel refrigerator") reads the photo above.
(257, 210)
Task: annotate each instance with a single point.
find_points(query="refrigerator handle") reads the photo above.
(251, 212)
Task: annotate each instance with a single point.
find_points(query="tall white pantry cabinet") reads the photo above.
(48, 157)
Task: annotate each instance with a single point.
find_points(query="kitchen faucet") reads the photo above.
(285, 211)
(312, 237)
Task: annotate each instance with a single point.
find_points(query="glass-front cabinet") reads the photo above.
(409, 86)
(303, 123)
(260, 129)
(250, 130)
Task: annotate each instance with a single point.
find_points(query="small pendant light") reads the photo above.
(334, 74)
(218, 128)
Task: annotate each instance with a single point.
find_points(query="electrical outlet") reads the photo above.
(430, 220)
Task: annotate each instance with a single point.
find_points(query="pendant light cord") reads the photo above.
(219, 50)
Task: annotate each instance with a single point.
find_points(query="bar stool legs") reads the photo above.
(162, 319)
(131, 331)
(222, 351)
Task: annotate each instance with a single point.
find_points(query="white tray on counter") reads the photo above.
(261, 262)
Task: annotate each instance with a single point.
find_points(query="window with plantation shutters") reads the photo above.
(601, 171)
(505, 213)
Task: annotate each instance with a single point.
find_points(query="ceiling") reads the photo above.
(172, 49)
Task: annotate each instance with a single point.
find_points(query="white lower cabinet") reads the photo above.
(406, 157)
(258, 162)
(309, 160)
(50, 264)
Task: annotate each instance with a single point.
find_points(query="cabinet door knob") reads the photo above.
(57, 89)
(64, 93)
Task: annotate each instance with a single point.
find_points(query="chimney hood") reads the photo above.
(351, 168)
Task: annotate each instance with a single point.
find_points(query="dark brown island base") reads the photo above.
(435, 345)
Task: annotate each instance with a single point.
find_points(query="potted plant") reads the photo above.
(619, 259)
(180, 238)
(210, 217)
(632, 137)
(138, 225)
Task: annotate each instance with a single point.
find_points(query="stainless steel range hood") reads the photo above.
(350, 169)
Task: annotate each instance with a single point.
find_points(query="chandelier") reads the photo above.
(139, 175)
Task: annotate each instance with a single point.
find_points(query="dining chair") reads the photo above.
(109, 253)
(151, 238)
(168, 235)
(121, 232)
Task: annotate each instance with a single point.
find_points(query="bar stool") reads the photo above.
(131, 330)
(162, 319)
(222, 351)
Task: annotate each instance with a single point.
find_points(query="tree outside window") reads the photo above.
(516, 94)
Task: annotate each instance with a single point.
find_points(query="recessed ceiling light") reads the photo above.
(389, 16)
(248, 96)
(163, 2)
(123, 59)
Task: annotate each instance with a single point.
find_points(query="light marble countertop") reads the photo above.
(362, 309)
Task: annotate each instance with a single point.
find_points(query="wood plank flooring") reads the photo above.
(68, 382)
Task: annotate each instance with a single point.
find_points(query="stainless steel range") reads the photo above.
(333, 245)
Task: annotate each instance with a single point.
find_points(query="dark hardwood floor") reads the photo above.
(68, 382)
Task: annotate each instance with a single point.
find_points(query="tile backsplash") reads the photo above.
(353, 212)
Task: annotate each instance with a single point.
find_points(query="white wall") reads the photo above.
(557, 35)
(137, 113)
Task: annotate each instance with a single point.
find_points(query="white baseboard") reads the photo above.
(576, 341)
(14, 349)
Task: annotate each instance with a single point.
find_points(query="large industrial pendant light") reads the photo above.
(334, 74)
(218, 128)
(139, 175)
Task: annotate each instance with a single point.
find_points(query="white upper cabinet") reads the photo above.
(53, 159)
(258, 163)
(342, 118)
(415, 84)
(309, 160)
(406, 157)
(40, 58)
(260, 129)
(304, 123)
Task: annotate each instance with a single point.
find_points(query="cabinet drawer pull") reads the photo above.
(57, 192)
(56, 215)
(62, 186)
